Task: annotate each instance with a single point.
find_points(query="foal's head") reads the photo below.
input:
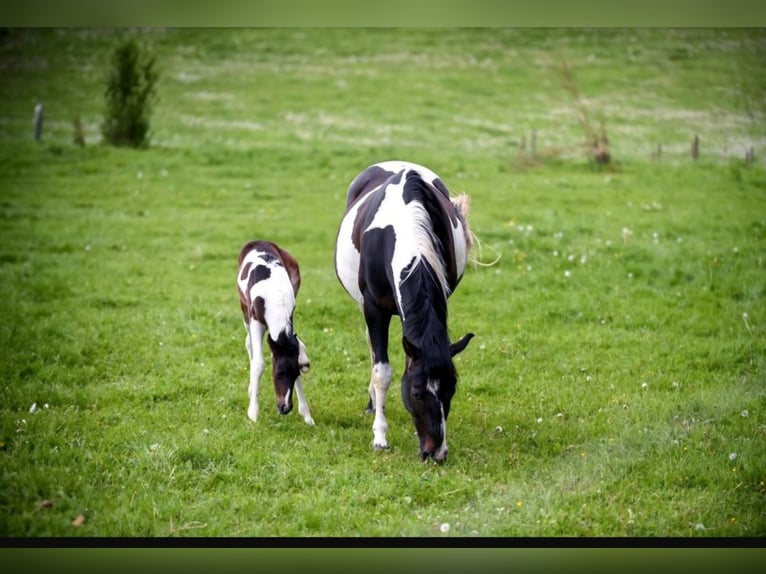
(288, 361)
(427, 391)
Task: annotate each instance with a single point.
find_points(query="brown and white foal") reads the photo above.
(268, 280)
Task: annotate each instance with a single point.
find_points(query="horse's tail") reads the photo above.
(462, 203)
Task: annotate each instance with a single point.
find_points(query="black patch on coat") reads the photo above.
(259, 309)
(366, 181)
(261, 273)
(375, 272)
(246, 271)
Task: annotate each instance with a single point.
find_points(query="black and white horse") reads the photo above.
(268, 280)
(401, 250)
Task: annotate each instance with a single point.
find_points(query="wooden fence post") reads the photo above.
(38, 122)
(695, 148)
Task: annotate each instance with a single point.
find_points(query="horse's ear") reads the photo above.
(412, 351)
(458, 346)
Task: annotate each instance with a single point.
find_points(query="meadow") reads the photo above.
(616, 385)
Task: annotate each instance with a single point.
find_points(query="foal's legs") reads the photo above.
(304, 363)
(378, 322)
(254, 345)
(303, 405)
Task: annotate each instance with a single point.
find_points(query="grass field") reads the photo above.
(616, 385)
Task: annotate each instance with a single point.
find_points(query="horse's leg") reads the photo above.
(371, 389)
(378, 322)
(254, 344)
(303, 405)
(303, 359)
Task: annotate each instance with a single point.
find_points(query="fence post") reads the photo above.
(695, 148)
(38, 122)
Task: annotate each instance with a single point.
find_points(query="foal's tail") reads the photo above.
(463, 204)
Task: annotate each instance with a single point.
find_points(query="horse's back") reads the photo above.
(378, 174)
(383, 225)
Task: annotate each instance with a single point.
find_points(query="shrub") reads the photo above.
(129, 95)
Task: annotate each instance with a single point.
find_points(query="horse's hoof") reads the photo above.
(380, 446)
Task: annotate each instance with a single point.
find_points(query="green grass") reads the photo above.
(615, 386)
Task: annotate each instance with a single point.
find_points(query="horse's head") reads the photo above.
(288, 361)
(427, 392)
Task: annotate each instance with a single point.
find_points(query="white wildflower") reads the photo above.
(444, 527)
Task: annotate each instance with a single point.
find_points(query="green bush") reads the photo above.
(129, 95)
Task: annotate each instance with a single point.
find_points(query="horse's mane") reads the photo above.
(425, 318)
(432, 230)
(425, 279)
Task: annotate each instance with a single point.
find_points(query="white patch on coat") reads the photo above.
(346, 255)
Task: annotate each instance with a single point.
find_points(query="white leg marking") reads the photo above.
(441, 451)
(303, 359)
(254, 344)
(303, 405)
(381, 379)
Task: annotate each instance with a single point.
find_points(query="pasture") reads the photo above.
(616, 385)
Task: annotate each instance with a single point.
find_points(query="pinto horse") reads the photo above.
(268, 280)
(401, 250)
